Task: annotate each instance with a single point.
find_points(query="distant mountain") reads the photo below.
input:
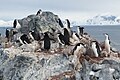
(6, 23)
(104, 20)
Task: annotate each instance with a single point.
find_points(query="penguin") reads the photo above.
(67, 23)
(77, 52)
(60, 23)
(7, 34)
(77, 47)
(24, 39)
(15, 23)
(107, 43)
(39, 12)
(66, 37)
(46, 41)
(96, 48)
(34, 35)
(61, 38)
(75, 36)
(67, 26)
(13, 32)
(80, 30)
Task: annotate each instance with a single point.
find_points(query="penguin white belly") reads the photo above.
(75, 37)
(60, 41)
(107, 46)
(31, 36)
(95, 50)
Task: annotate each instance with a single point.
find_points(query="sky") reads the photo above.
(71, 9)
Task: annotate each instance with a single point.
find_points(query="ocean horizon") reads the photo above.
(96, 32)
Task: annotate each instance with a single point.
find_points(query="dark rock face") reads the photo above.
(40, 23)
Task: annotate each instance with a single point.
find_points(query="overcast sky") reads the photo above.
(72, 9)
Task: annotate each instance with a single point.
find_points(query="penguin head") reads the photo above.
(106, 35)
(80, 45)
(46, 33)
(7, 29)
(59, 33)
(94, 42)
(58, 20)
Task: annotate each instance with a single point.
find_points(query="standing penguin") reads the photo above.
(46, 41)
(60, 23)
(7, 34)
(75, 36)
(61, 38)
(107, 43)
(15, 23)
(68, 23)
(24, 39)
(66, 37)
(39, 12)
(67, 26)
(80, 30)
(34, 35)
(96, 48)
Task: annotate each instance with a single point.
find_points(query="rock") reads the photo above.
(40, 23)
(28, 66)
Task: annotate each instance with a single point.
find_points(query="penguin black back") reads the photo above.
(39, 11)
(46, 41)
(68, 22)
(78, 44)
(25, 38)
(66, 37)
(7, 33)
(60, 23)
(98, 48)
(61, 38)
(15, 23)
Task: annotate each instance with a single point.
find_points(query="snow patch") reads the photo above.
(6, 23)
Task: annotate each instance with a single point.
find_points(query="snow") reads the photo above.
(101, 19)
(104, 19)
(6, 23)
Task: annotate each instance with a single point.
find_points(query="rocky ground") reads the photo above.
(18, 65)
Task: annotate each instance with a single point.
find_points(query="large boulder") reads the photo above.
(19, 65)
(40, 23)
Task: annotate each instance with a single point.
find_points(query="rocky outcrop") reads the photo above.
(19, 65)
(25, 63)
(42, 23)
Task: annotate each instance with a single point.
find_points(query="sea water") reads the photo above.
(96, 32)
(3, 29)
